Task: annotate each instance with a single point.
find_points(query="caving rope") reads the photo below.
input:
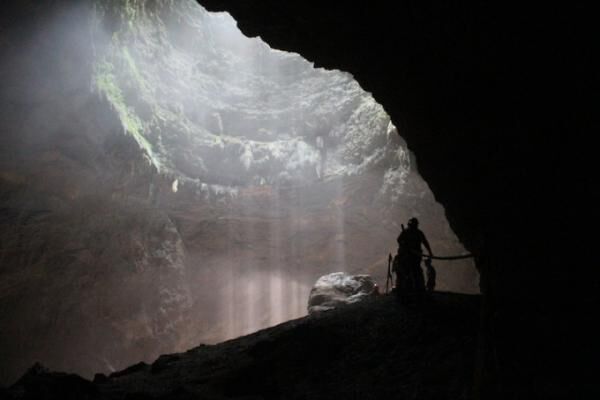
(449, 257)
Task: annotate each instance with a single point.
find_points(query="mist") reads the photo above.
(166, 181)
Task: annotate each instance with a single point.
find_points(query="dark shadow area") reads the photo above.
(497, 100)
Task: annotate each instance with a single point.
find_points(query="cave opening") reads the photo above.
(244, 174)
(280, 171)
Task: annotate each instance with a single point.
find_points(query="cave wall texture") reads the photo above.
(500, 96)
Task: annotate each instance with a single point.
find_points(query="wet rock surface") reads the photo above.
(374, 349)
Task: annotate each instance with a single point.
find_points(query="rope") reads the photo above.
(459, 257)
(449, 257)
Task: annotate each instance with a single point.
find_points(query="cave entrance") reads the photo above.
(274, 172)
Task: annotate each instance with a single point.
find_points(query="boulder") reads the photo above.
(337, 289)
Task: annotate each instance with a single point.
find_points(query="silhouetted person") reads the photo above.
(409, 275)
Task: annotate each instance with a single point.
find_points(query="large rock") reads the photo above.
(339, 288)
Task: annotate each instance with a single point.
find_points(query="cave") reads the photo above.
(153, 197)
(190, 185)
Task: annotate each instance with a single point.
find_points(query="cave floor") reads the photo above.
(376, 349)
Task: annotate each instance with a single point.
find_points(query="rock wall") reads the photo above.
(93, 276)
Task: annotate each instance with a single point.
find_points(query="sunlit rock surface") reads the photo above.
(216, 108)
(337, 289)
(165, 181)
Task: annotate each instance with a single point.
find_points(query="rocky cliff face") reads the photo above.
(92, 275)
(165, 181)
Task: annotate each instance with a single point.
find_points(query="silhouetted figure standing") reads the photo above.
(409, 275)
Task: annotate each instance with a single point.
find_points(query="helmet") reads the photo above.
(413, 222)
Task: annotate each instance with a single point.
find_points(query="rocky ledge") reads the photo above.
(375, 349)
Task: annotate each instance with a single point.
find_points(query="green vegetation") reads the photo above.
(134, 71)
(127, 78)
(106, 83)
